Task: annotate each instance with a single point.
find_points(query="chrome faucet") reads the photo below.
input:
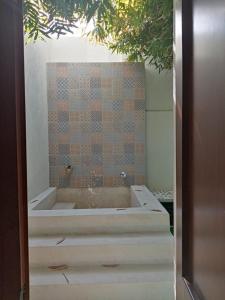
(123, 175)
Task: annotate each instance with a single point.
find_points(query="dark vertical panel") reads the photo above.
(200, 102)
(13, 202)
(182, 70)
(187, 96)
(207, 183)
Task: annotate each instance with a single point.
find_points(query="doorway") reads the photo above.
(128, 151)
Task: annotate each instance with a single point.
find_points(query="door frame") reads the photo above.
(14, 266)
(183, 64)
(13, 213)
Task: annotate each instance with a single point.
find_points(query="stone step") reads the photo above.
(95, 221)
(101, 249)
(103, 283)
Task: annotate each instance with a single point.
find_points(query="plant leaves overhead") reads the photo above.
(140, 29)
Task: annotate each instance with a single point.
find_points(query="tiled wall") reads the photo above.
(96, 123)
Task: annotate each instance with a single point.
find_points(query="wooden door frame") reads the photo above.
(14, 275)
(183, 93)
(13, 212)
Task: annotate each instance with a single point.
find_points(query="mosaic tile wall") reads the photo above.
(96, 123)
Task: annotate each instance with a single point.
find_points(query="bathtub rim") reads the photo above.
(148, 203)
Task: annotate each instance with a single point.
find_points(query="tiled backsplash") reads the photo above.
(96, 123)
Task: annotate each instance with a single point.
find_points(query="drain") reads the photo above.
(156, 210)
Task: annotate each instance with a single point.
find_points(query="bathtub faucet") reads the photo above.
(123, 175)
(68, 170)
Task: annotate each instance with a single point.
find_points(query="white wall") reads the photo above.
(79, 50)
(36, 119)
(159, 129)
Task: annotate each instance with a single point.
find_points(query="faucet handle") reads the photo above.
(123, 174)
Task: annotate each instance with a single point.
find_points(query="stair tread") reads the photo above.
(82, 240)
(102, 274)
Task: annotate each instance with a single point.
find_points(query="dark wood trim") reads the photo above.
(14, 274)
(187, 96)
(200, 90)
(21, 152)
(184, 96)
(13, 4)
(183, 84)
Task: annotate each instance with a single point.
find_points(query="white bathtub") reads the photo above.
(113, 239)
(99, 210)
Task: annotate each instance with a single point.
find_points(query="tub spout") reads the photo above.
(68, 170)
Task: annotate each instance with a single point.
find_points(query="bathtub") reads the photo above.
(96, 210)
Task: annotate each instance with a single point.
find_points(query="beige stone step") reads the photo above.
(130, 282)
(95, 221)
(101, 249)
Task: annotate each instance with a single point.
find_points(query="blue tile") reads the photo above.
(83, 94)
(117, 105)
(95, 82)
(62, 95)
(129, 82)
(63, 127)
(129, 126)
(97, 159)
(96, 127)
(95, 94)
(139, 105)
(62, 83)
(140, 82)
(129, 159)
(64, 160)
(96, 116)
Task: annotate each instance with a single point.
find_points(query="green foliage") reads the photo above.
(140, 29)
(43, 18)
